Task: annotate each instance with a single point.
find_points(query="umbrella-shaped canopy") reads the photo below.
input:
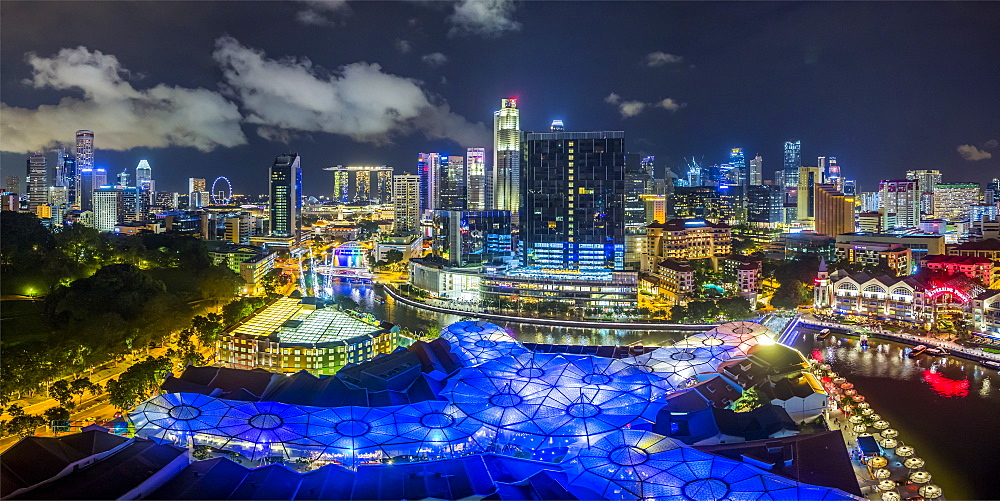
(886, 485)
(859, 428)
(920, 477)
(855, 419)
(176, 414)
(676, 364)
(847, 386)
(736, 338)
(889, 433)
(435, 428)
(913, 462)
(904, 451)
(888, 443)
(633, 464)
(478, 342)
(881, 474)
(930, 491)
(881, 425)
(891, 496)
(863, 405)
(878, 462)
(267, 423)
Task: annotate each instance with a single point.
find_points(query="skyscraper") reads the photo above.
(37, 176)
(475, 168)
(59, 176)
(991, 194)
(70, 179)
(452, 179)
(738, 161)
(793, 160)
(429, 170)
(902, 198)
(506, 190)
(765, 206)
(13, 184)
(756, 171)
(834, 210)
(574, 197)
(196, 185)
(648, 169)
(406, 204)
(832, 174)
(100, 177)
(361, 184)
(85, 183)
(286, 196)
(144, 177)
(84, 149)
(108, 208)
(953, 201)
(927, 179)
(809, 177)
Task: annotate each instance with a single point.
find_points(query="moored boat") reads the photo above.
(917, 351)
(823, 334)
(990, 364)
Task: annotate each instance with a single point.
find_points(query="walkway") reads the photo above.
(593, 324)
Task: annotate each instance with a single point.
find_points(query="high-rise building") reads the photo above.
(144, 177)
(100, 177)
(927, 180)
(902, 198)
(452, 182)
(656, 208)
(108, 208)
(286, 196)
(70, 178)
(361, 184)
(793, 160)
(429, 170)
(809, 177)
(991, 194)
(38, 181)
(475, 168)
(952, 201)
(12, 184)
(573, 194)
(123, 178)
(648, 168)
(58, 201)
(406, 204)
(505, 193)
(84, 149)
(85, 183)
(765, 206)
(59, 175)
(832, 173)
(756, 171)
(697, 202)
(557, 126)
(834, 211)
(195, 184)
(738, 161)
(850, 187)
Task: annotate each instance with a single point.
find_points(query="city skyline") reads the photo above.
(662, 80)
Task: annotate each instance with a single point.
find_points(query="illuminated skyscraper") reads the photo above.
(452, 181)
(902, 198)
(756, 171)
(991, 194)
(648, 170)
(361, 184)
(38, 181)
(793, 160)
(475, 168)
(927, 179)
(406, 204)
(144, 177)
(429, 171)
(286, 196)
(953, 201)
(85, 149)
(809, 177)
(506, 192)
(59, 176)
(196, 186)
(834, 211)
(108, 208)
(738, 162)
(574, 196)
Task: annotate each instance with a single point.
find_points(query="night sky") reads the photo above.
(212, 89)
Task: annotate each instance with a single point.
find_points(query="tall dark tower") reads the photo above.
(286, 196)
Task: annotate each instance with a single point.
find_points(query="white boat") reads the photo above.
(917, 351)
(823, 334)
(937, 351)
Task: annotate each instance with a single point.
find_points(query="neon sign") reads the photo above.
(937, 291)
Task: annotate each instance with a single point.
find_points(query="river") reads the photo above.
(944, 407)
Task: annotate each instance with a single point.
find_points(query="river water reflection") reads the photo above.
(947, 408)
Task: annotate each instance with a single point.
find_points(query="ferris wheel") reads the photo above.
(222, 193)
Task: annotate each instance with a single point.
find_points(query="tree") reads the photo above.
(56, 414)
(219, 283)
(137, 382)
(735, 307)
(790, 294)
(393, 256)
(83, 385)
(62, 391)
(207, 327)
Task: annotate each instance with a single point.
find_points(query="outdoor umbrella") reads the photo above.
(891, 496)
(920, 477)
(859, 428)
(881, 425)
(877, 462)
(888, 443)
(904, 451)
(847, 386)
(855, 419)
(913, 462)
(863, 405)
(890, 433)
(881, 474)
(930, 491)
(886, 485)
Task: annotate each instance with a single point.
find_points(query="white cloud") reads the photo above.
(322, 12)
(972, 154)
(358, 100)
(670, 104)
(992, 143)
(660, 58)
(434, 59)
(403, 46)
(631, 108)
(123, 117)
(487, 18)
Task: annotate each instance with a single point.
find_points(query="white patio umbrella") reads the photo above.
(890, 433)
(877, 462)
(889, 443)
(920, 477)
(881, 474)
(859, 428)
(913, 462)
(867, 412)
(864, 405)
(904, 451)
(855, 419)
(886, 485)
(881, 425)
(891, 496)
(930, 491)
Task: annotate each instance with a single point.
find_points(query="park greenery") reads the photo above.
(86, 300)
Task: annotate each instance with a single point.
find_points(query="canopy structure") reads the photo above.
(633, 464)
(477, 342)
(677, 364)
(734, 338)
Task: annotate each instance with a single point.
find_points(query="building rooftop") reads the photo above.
(687, 224)
(943, 259)
(326, 325)
(990, 244)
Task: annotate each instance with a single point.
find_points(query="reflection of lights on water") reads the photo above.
(945, 386)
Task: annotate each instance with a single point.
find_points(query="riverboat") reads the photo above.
(937, 351)
(917, 351)
(864, 339)
(823, 334)
(990, 364)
